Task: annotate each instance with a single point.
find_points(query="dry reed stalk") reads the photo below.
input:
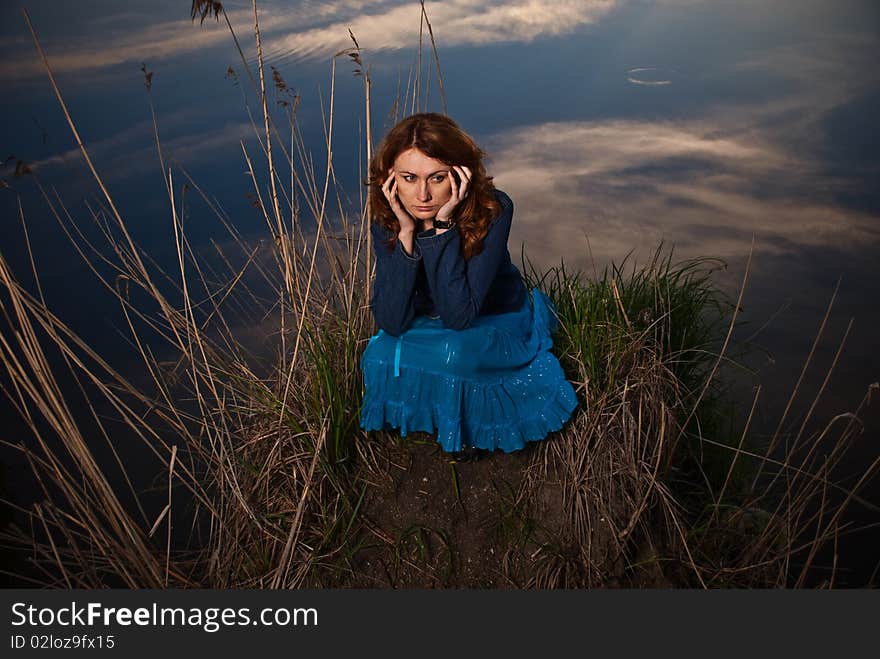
(736, 309)
(279, 223)
(321, 216)
(436, 56)
(417, 89)
(772, 446)
(33, 377)
(266, 147)
(290, 545)
(736, 455)
(132, 250)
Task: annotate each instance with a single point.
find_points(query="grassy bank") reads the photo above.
(265, 479)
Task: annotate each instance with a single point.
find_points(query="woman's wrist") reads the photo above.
(443, 224)
(406, 238)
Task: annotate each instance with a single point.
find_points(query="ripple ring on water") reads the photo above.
(650, 76)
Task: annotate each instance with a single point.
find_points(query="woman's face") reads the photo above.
(422, 183)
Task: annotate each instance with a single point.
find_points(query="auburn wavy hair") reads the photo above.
(438, 137)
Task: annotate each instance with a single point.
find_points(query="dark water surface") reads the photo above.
(717, 127)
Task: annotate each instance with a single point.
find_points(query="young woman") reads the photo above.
(463, 348)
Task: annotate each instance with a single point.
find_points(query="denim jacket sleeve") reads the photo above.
(459, 287)
(396, 271)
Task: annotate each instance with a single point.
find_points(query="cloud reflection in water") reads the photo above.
(460, 22)
(629, 184)
(312, 30)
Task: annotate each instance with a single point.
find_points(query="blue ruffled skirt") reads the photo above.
(494, 385)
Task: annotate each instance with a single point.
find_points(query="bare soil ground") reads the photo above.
(431, 522)
(437, 523)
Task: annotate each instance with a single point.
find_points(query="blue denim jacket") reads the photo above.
(437, 281)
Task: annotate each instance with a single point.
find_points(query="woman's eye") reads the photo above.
(439, 178)
(409, 178)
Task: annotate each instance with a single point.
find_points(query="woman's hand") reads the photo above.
(406, 233)
(459, 192)
(389, 189)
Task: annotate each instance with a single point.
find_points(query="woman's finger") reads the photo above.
(386, 184)
(454, 186)
(464, 173)
(389, 188)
